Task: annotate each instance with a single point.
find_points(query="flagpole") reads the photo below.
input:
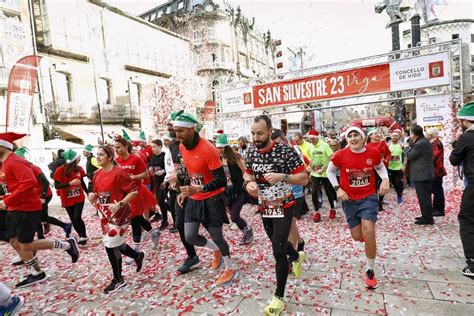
(98, 103)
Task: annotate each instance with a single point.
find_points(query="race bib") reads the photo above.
(359, 179)
(196, 179)
(394, 158)
(72, 193)
(272, 209)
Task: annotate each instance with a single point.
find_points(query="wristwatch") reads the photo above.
(336, 187)
(286, 177)
(121, 204)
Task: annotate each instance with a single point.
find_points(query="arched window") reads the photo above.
(64, 88)
(214, 87)
(135, 92)
(104, 90)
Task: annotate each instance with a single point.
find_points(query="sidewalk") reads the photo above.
(418, 270)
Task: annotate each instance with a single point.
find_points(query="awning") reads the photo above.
(90, 134)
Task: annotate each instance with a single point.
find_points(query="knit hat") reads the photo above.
(21, 152)
(88, 148)
(222, 141)
(467, 112)
(355, 128)
(126, 136)
(371, 130)
(7, 139)
(182, 119)
(313, 133)
(70, 156)
(218, 132)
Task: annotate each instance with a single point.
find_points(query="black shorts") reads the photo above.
(25, 224)
(298, 209)
(209, 212)
(7, 229)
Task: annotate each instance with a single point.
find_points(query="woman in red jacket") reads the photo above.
(113, 192)
(69, 181)
(374, 140)
(145, 200)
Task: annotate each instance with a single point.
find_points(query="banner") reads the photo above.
(21, 88)
(433, 111)
(410, 73)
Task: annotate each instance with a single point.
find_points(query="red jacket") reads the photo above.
(20, 182)
(438, 158)
(382, 147)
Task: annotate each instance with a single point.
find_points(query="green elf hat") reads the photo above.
(21, 152)
(88, 148)
(467, 112)
(222, 141)
(70, 156)
(125, 136)
(371, 130)
(186, 120)
(142, 137)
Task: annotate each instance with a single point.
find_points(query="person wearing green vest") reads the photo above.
(320, 156)
(395, 164)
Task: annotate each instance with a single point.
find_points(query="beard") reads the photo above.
(172, 133)
(463, 127)
(262, 144)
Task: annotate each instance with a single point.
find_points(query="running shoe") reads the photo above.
(82, 241)
(233, 226)
(275, 307)
(163, 225)
(130, 260)
(144, 236)
(173, 229)
(297, 266)
(227, 277)
(399, 199)
(370, 280)
(155, 238)
(73, 250)
(32, 279)
(468, 271)
(247, 238)
(188, 264)
(115, 285)
(67, 230)
(332, 214)
(18, 263)
(16, 303)
(217, 261)
(140, 261)
(316, 217)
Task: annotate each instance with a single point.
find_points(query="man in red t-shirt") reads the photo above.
(204, 192)
(357, 191)
(23, 204)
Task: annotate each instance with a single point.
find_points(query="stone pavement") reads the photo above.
(418, 270)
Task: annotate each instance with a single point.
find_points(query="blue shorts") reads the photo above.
(356, 210)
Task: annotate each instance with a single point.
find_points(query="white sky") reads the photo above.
(332, 31)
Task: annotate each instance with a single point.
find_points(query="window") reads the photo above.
(211, 32)
(472, 60)
(196, 34)
(64, 89)
(472, 38)
(432, 40)
(135, 93)
(160, 14)
(180, 5)
(153, 16)
(455, 36)
(213, 57)
(168, 9)
(214, 86)
(104, 91)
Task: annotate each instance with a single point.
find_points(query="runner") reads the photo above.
(204, 193)
(156, 168)
(113, 192)
(356, 190)
(236, 197)
(170, 192)
(272, 169)
(9, 304)
(320, 156)
(91, 165)
(395, 166)
(145, 200)
(69, 181)
(23, 207)
(375, 141)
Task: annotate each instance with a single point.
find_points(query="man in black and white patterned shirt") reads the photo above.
(272, 169)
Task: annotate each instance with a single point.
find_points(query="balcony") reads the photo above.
(4, 77)
(214, 66)
(10, 7)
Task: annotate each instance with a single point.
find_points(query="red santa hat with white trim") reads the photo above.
(7, 139)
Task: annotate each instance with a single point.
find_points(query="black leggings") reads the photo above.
(137, 223)
(396, 178)
(242, 199)
(316, 184)
(378, 182)
(172, 203)
(45, 218)
(75, 215)
(278, 230)
(191, 232)
(161, 197)
(115, 258)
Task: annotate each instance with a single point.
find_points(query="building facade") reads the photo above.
(226, 45)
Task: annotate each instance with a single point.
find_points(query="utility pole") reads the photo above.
(299, 54)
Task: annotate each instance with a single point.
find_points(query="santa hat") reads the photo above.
(313, 133)
(222, 141)
(356, 128)
(7, 139)
(467, 112)
(88, 148)
(21, 152)
(70, 156)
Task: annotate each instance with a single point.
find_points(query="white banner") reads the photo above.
(20, 111)
(424, 71)
(433, 111)
(237, 100)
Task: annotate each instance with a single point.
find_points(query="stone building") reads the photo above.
(227, 46)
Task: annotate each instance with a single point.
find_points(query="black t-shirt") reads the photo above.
(280, 158)
(157, 162)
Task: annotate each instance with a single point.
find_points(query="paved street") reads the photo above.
(418, 269)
